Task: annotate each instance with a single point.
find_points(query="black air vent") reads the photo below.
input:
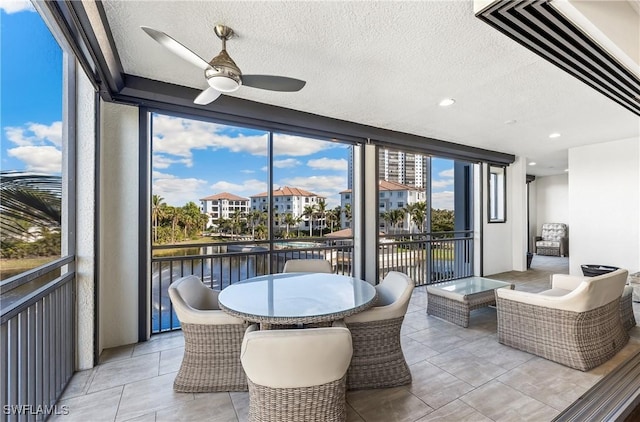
(539, 27)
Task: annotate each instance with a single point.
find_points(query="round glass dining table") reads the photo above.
(297, 298)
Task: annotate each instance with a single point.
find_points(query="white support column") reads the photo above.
(517, 187)
(85, 220)
(365, 213)
(118, 290)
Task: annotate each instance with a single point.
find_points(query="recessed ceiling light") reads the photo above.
(554, 135)
(510, 122)
(446, 102)
(533, 163)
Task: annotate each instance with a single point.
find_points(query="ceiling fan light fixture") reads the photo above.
(223, 74)
(446, 102)
(224, 83)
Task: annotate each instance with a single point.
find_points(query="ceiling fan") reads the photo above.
(222, 73)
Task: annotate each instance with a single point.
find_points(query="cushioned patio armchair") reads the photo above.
(307, 266)
(212, 340)
(297, 375)
(378, 361)
(553, 240)
(576, 323)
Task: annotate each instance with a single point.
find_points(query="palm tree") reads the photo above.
(157, 203)
(338, 212)
(174, 215)
(333, 218)
(29, 200)
(261, 231)
(309, 212)
(236, 219)
(347, 213)
(254, 218)
(190, 217)
(387, 218)
(289, 220)
(204, 219)
(321, 212)
(417, 213)
(397, 217)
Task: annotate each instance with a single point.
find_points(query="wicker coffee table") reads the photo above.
(454, 300)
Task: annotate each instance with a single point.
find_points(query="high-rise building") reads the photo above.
(406, 168)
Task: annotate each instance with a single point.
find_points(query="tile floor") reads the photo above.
(458, 375)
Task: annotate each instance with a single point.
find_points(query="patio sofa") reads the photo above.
(577, 323)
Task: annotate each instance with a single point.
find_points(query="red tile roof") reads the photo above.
(387, 185)
(224, 195)
(288, 191)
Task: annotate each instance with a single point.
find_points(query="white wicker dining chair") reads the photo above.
(378, 361)
(297, 375)
(307, 266)
(212, 340)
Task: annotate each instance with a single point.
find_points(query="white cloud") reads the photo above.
(177, 191)
(41, 159)
(247, 171)
(327, 186)
(441, 183)
(446, 173)
(297, 146)
(288, 162)
(317, 183)
(15, 6)
(35, 134)
(328, 164)
(162, 161)
(247, 188)
(442, 200)
(446, 179)
(180, 137)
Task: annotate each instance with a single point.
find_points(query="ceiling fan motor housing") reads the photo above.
(223, 74)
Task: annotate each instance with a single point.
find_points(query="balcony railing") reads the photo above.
(220, 264)
(37, 340)
(426, 258)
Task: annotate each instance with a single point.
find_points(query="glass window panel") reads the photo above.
(32, 121)
(311, 174)
(497, 194)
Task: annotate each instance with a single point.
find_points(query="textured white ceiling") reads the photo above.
(386, 64)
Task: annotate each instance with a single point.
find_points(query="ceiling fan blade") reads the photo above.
(176, 48)
(273, 83)
(207, 96)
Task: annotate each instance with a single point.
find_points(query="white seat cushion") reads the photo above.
(195, 303)
(394, 294)
(296, 358)
(591, 293)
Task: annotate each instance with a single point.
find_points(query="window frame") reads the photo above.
(496, 193)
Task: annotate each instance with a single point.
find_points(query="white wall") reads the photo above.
(533, 213)
(505, 244)
(517, 188)
(85, 219)
(604, 205)
(118, 290)
(552, 201)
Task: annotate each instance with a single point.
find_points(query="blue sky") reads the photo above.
(191, 159)
(31, 91)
